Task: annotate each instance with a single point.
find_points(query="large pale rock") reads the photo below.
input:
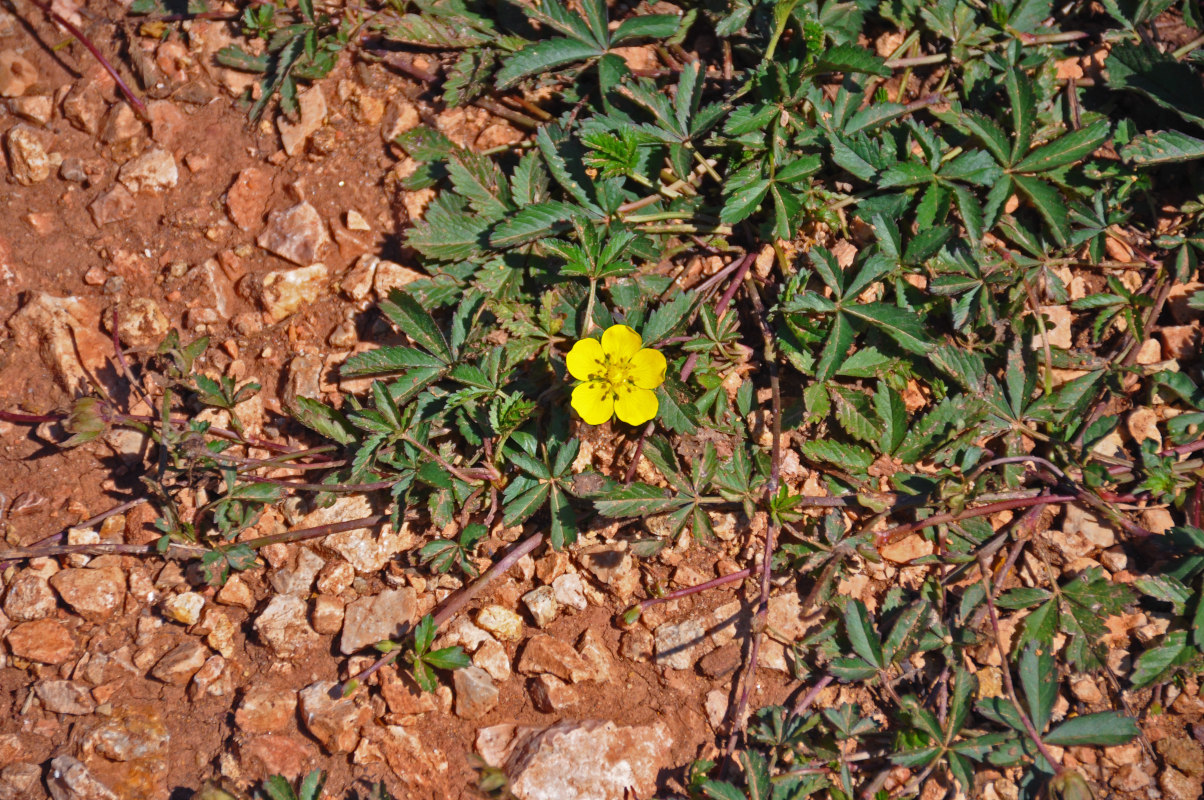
(69, 779)
(94, 594)
(284, 626)
(27, 156)
(65, 697)
(277, 754)
(17, 74)
(475, 693)
(676, 642)
(45, 640)
(61, 330)
(180, 663)
(297, 577)
(578, 760)
(373, 619)
(140, 322)
(286, 291)
(29, 597)
(114, 205)
(366, 549)
(152, 172)
(547, 655)
(265, 709)
(333, 721)
(295, 234)
(312, 107)
(247, 197)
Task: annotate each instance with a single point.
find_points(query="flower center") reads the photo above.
(617, 372)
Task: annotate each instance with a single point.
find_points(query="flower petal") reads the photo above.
(647, 369)
(634, 405)
(594, 401)
(585, 360)
(620, 342)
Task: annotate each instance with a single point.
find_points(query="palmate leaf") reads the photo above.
(638, 500)
(533, 223)
(905, 327)
(448, 231)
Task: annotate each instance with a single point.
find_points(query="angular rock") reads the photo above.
(94, 594)
(304, 380)
(44, 640)
(547, 655)
(327, 614)
(403, 695)
(35, 108)
(152, 172)
(389, 275)
(298, 576)
(17, 74)
(636, 645)
(265, 709)
(501, 622)
(295, 234)
(312, 107)
(550, 694)
(576, 760)
(283, 626)
(84, 106)
(1183, 754)
(121, 125)
(65, 697)
(132, 733)
(168, 123)
(140, 322)
(286, 291)
(17, 781)
(366, 549)
(333, 721)
(180, 663)
(62, 330)
(357, 282)
(541, 602)
(675, 643)
(247, 198)
(335, 577)
(569, 590)
(613, 565)
(476, 695)
(1177, 786)
(464, 633)
(277, 754)
(236, 593)
(27, 156)
(69, 779)
(114, 205)
(494, 659)
(373, 619)
(29, 597)
(184, 608)
(596, 655)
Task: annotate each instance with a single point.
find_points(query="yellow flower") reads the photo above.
(618, 375)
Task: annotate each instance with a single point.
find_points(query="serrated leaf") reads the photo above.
(648, 26)
(666, 319)
(862, 634)
(1067, 149)
(1162, 147)
(544, 56)
(533, 223)
(1105, 729)
(323, 420)
(414, 321)
(905, 327)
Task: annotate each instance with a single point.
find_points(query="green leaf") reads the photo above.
(1105, 729)
(526, 504)
(638, 500)
(850, 58)
(1162, 147)
(1048, 202)
(323, 419)
(905, 327)
(744, 200)
(1068, 149)
(414, 321)
(838, 453)
(388, 359)
(449, 658)
(1171, 84)
(1158, 663)
(311, 787)
(862, 635)
(544, 56)
(278, 788)
(533, 223)
(235, 57)
(648, 26)
(667, 319)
